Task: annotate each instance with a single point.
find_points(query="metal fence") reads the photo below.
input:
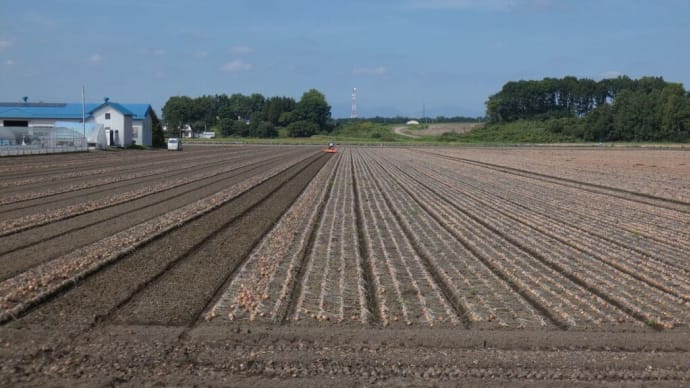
(40, 140)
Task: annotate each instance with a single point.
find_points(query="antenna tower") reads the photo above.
(353, 114)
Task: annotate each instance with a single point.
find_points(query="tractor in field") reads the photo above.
(330, 149)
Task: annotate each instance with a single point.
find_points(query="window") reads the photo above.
(16, 123)
(107, 116)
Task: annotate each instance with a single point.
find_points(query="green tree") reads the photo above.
(621, 108)
(264, 129)
(275, 107)
(313, 108)
(177, 111)
(157, 136)
(256, 102)
(302, 128)
(236, 128)
(624, 116)
(225, 126)
(599, 124)
(675, 112)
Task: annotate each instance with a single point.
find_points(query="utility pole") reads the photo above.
(83, 112)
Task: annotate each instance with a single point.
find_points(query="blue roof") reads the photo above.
(138, 111)
(13, 110)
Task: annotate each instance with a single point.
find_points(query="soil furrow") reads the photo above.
(35, 233)
(166, 300)
(34, 182)
(614, 266)
(587, 223)
(373, 304)
(549, 263)
(648, 199)
(445, 288)
(104, 290)
(68, 195)
(388, 266)
(302, 258)
(37, 245)
(480, 255)
(526, 219)
(48, 216)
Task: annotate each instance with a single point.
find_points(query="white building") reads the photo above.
(124, 124)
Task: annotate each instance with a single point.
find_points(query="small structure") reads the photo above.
(412, 122)
(186, 131)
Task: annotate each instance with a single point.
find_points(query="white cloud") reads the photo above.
(236, 66)
(10, 62)
(157, 52)
(610, 74)
(370, 71)
(4, 43)
(238, 50)
(96, 59)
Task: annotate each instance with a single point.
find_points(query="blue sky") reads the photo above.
(444, 56)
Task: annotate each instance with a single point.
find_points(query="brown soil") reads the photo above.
(243, 355)
(139, 321)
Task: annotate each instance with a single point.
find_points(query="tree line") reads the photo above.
(619, 109)
(250, 116)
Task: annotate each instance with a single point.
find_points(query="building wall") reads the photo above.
(142, 131)
(137, 132)
(127, 132)
(116, 123)
(148, 131)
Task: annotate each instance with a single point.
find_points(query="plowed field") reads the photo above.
(267, 265)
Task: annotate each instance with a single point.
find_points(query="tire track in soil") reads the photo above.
(95, 298)
(647, 199)
(168, 299)
(373, 304)
(303, 257)
(32, 247)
